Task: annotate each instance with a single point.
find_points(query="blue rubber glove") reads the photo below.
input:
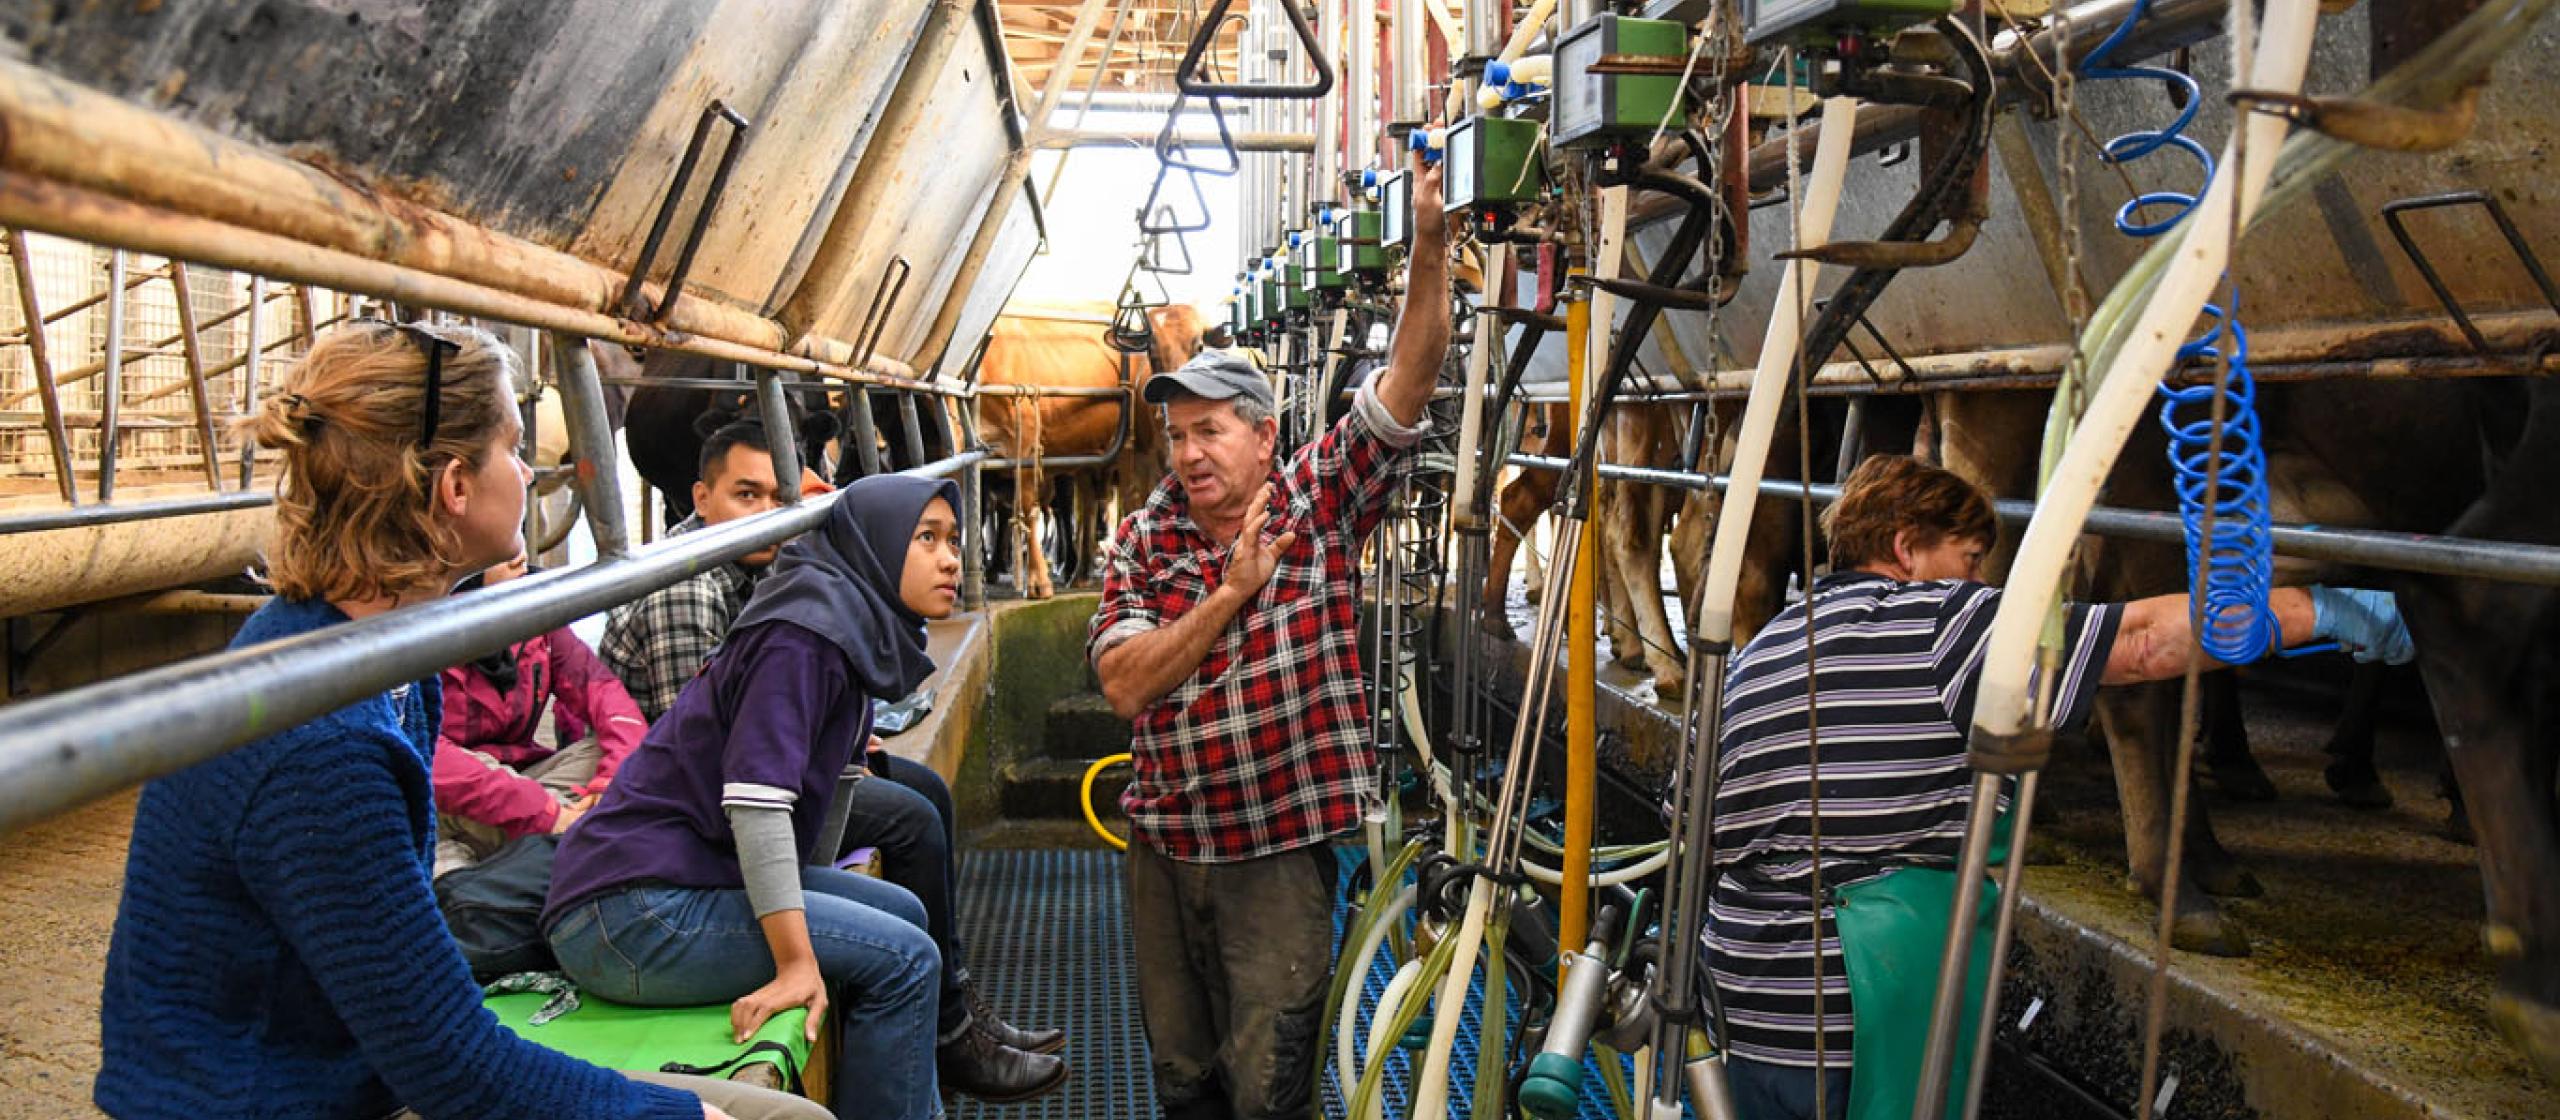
(2366, 622)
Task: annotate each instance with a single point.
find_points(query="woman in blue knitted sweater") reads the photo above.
(278, 952)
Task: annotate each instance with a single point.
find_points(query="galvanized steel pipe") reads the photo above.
(85, 517)
(2460, 557)
(59, 751)
(591, 440)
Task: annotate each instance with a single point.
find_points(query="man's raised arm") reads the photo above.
(1422, 324)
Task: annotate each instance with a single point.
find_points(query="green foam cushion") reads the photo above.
(617, 1036)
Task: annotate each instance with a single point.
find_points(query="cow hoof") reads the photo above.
(2457, 826)
(2356, 784)
(2532, 1027)
(2240, 779)
(2227, 880)
(2211, 933)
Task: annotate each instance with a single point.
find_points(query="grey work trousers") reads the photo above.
(1233, 960)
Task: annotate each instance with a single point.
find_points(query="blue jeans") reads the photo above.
(655, 946)
(908, 817)
(1767, 1091)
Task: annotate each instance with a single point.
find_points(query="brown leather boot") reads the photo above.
(1047, 1040)
(979, 1066)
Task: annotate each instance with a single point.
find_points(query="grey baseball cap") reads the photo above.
(1213, 375)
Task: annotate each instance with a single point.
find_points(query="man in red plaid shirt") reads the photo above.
(1229, 633)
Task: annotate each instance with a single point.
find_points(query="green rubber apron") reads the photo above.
(1893, 932)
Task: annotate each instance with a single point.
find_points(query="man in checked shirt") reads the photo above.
(1229, 634)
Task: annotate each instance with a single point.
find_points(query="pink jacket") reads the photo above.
(477, 717)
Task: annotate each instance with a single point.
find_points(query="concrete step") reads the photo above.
(1083, 726)
(1047, 788)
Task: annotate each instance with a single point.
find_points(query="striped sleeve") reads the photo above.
(1964, 638)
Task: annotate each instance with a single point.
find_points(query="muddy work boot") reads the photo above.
(976, 1065)
(1048, 1040)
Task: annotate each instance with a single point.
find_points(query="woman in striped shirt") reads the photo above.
(1899, 631)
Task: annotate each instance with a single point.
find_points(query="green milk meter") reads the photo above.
(1493, 162)
(1592, 108)
(1359, 242)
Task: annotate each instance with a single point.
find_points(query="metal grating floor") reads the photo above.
(1048, 937)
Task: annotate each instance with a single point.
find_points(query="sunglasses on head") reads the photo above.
(435, 347)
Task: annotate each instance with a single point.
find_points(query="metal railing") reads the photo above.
(60, 751)
(2507, 561)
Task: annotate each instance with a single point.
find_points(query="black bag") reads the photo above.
(494, 908)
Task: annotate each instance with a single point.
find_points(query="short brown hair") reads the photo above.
(354, 516)
(1896, 494)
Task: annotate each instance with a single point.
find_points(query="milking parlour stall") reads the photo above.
(1961, 557)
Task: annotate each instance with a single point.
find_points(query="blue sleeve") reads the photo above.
(327, 847)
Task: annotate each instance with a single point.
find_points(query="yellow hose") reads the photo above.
(1084, 797)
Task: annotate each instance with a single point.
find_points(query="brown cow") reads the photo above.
(1063, 346)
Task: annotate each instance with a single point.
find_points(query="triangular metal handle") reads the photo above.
(1166, 148)
(1152, 257)
(1186, 76)
(1147, 212)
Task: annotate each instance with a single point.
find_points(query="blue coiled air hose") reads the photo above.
(2235, 567)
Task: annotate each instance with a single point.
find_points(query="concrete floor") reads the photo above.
(58, 887)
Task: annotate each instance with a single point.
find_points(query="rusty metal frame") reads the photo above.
(634, 303)
(155, 349)
(2393, 214)
(884, 303)
(198, 385)
(250, 354)
(111, 385)
(40, 367)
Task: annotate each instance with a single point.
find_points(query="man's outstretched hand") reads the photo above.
(1250, 562)
(1430, 221)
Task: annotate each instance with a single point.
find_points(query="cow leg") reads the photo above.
(2136, 722)
(1533, 564)
(1637, 555)
(1521, 501)
(1026, 533)
(2228, 762)
(2350, 772)
(1611, 518)
(2486, 657)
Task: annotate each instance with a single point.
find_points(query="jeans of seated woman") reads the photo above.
(656, 946)
(908, 817)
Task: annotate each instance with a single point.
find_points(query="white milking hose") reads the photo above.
(1777, 363)
(2124, 394)
(1345, 1070)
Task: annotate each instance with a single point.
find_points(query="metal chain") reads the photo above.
(2075, 297)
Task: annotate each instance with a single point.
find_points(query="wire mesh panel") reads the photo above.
(159, 431)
